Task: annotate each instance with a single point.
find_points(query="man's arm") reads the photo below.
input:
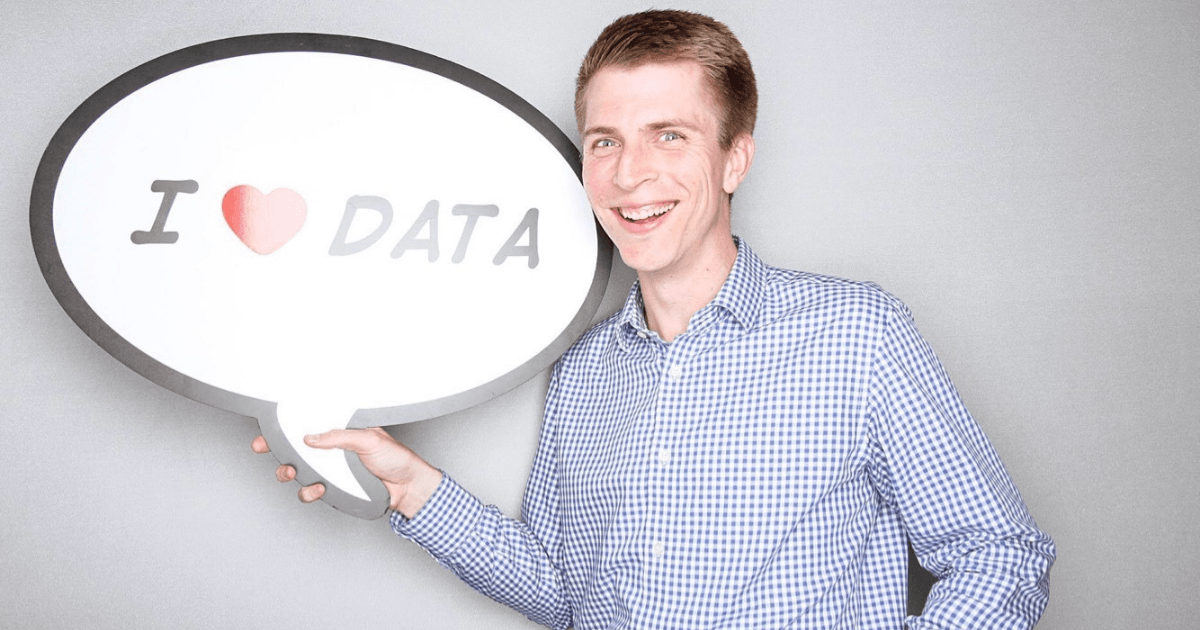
(965, 518)
(516, 563)
(497, 556)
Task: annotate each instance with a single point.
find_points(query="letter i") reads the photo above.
(169, 189)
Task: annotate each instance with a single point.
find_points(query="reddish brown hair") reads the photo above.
(671, 36)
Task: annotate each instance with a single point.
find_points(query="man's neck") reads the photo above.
(672, 297)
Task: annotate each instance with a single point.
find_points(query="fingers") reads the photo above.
(285, 473)
(308, 494)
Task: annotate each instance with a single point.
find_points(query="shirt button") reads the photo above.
(664, 456)
(643, 335)
(658, 549)
(676, 372)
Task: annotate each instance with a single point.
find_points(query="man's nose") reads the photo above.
(634, 167)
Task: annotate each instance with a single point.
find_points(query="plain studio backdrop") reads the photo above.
(1023, 174)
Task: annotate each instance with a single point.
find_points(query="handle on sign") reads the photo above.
(371, 509)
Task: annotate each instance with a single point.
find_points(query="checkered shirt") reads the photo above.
(761, 471)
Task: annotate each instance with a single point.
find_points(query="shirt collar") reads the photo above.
(741, 296)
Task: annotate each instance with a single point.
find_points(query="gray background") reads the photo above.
(1023, 174)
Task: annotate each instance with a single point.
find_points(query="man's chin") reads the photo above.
(643, 258)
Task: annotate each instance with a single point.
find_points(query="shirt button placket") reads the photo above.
(666, 428)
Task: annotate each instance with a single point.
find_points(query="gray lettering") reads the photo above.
(472, 212)
(339, 246)
(169, 188)
(410, 240)
(528, 224)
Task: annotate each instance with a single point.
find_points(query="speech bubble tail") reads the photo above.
(349, 487)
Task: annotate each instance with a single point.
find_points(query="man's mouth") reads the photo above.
(641, 213)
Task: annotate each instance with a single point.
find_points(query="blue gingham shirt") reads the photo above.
(761, 471)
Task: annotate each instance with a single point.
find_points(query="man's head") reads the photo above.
(666, 105)
(679, 36)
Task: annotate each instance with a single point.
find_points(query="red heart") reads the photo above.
(264, 222)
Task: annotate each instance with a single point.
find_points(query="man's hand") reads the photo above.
(409, 480)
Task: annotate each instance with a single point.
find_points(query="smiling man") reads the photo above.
(740, 446)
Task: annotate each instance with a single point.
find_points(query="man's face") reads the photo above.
(653, 167)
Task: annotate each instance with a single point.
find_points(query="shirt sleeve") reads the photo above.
(495, 555)
(964, 516)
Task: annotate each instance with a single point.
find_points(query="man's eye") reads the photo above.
(605, 143)
(669, 135)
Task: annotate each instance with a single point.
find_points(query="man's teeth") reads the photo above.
(645, 212)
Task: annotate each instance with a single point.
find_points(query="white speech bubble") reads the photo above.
(319, 231)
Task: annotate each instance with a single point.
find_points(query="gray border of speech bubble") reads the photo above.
(41, 219)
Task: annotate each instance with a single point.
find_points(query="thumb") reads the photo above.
(337, 438)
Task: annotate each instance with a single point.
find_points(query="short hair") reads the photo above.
(664, 36)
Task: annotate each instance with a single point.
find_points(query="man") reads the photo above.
(740, 446)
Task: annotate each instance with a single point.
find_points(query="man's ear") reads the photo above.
(737, 162)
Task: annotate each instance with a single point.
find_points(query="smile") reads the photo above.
(642, 213)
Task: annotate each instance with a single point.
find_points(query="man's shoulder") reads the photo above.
(789, 292)
(761, 293)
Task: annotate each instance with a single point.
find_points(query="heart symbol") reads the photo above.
(264, 222)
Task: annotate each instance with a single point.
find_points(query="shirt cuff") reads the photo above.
(445, 520)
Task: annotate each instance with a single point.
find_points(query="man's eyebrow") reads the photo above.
(599, 131)
(674, 123)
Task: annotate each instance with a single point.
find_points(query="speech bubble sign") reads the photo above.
(319, 231)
